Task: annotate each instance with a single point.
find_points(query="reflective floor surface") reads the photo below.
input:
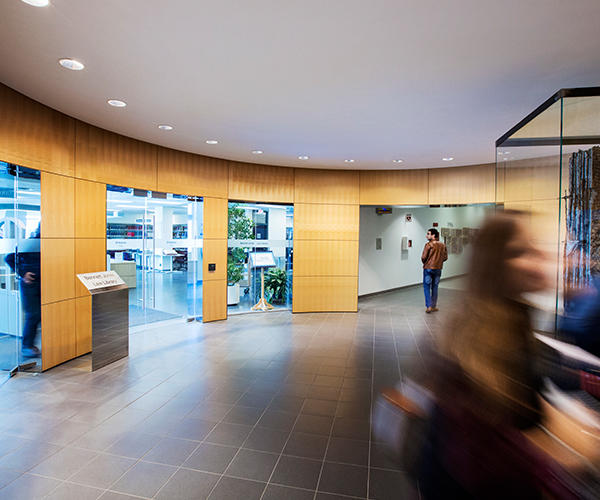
(270, 406)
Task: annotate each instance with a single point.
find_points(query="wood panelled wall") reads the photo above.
(77, 160)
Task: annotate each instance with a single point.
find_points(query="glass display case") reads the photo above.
(548, 167)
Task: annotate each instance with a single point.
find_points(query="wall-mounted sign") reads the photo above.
(383, 210)
(408, 217)
(102, 279)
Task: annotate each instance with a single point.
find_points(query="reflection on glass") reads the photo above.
(259, 257)
(20, 270)
(154, 242)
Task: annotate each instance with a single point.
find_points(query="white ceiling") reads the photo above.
(370, 80)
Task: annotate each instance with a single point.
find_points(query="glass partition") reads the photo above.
(20, 269)
(259, 257)
(548, 166)
(154, 242)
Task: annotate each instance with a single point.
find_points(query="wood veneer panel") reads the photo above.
(90, 209)
(214, 251)
(214, 300)
(261, 183)
(190, 174)
(35, 136)
(326, 186)
(325, 258)
(326, 222)
(58, 269)
(83, 325)
(59, 341)
(57, 206)
(215, 218)
(325, 294)
(394, 187)
(103, 156)
(90, 257)
(471, 184)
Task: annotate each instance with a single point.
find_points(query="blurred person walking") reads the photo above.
(485, 382)
(433, 257)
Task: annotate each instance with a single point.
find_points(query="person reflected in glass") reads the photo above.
(26, 264)
(433, 257)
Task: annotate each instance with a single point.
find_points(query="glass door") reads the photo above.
(154, 239)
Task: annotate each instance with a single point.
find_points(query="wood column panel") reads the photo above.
(90, 209)
(326, 222)
(215, 252)
(83, 325)
(57, 206)
(325, 294)
(214, 300)
(35, 136)
(471, 184)
(215, 218)
(192, 175)
(103, 156)
(90, 257)
(261, 183)
(59, 341)
(532, 179)
(394, 187)
(325, 258)
(326, 186)
(58, 269)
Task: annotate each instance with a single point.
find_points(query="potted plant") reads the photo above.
(240, 227)
(276, 285)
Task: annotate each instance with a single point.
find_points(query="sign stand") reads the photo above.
(262, 260)
(110, 316)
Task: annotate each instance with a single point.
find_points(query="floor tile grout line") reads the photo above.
(372, 399)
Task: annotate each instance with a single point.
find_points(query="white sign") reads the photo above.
(102, 279)
(262, 259)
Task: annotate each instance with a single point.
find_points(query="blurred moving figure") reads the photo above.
(26, 263)
(433, 257)
(485, 382)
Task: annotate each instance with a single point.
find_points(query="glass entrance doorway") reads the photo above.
(154, 242)
(20, 269)
(260, 257)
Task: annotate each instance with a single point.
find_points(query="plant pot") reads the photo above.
(233, 294)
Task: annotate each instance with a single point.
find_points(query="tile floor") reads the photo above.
(273, 406)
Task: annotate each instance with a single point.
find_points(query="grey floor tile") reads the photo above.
(389, 485)
(298, 472)
(7, 476)
(344, 480)
(275, 492)
(192, 428)
(244, 415)
(348, 451)
(229, 488)
(263, 439)
(103, 471)
(30, 487)
(171, 451)
(113, 495)
(211, 458)
(314, 424)
(229, 434)
(188, 485)
(28, 456)
(72, 491)
(133, 445)
(254, 465)
(144, 479)
(306, 445)
(65, 463)
(211, 412)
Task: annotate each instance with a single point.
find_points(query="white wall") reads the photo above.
(391, 267)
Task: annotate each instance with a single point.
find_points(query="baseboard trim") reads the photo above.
(381, 292)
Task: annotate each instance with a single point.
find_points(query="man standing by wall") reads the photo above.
(433, 257)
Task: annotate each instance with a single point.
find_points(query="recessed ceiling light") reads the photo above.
(116, 103)
(348, 161)
(303, 157)
(257, 152)
(398, 160)
(506, 152)
(165, 127)
(212, 141)
(449, 158)
(37, 3)
(72, 64)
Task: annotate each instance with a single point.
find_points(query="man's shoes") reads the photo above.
(434, 309)
(31, 352)
(428, 310)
